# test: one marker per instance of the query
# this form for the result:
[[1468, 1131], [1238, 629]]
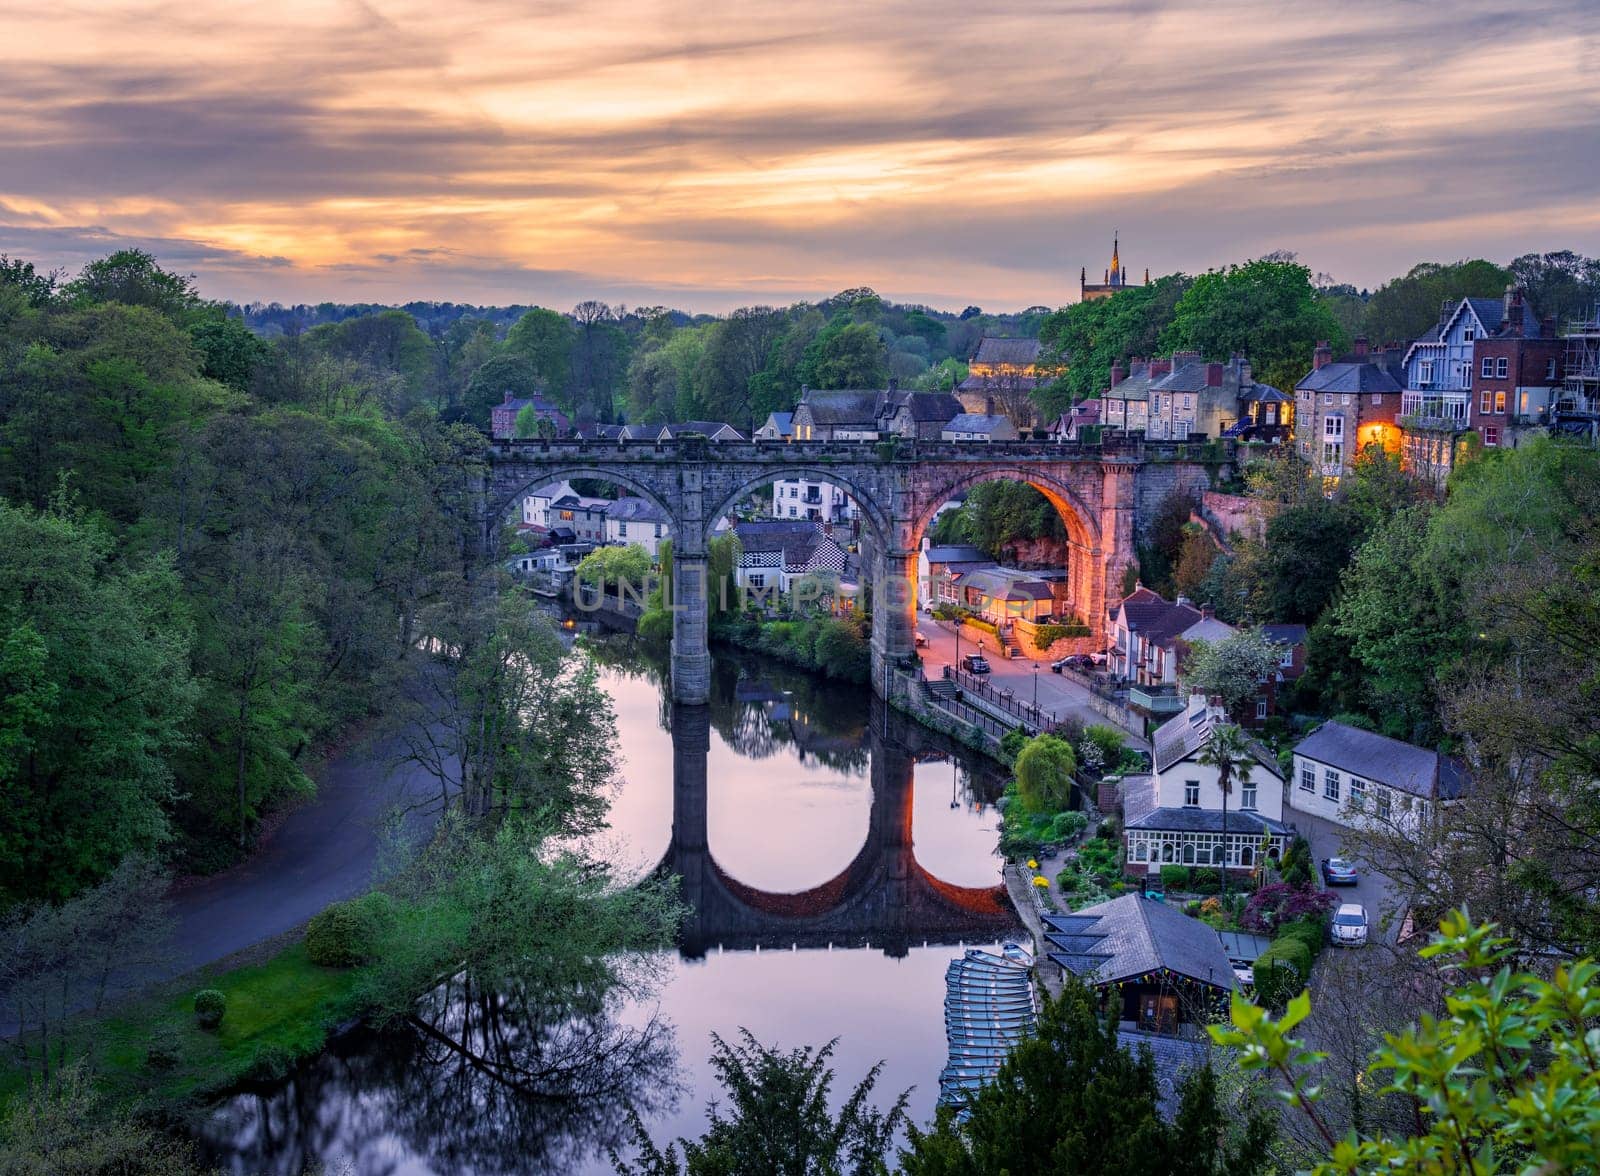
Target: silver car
[[1350, 925]]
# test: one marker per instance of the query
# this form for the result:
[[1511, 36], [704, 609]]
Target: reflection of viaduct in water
[[883, 898]]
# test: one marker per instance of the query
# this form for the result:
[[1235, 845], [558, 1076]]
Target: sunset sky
[[710, 154]]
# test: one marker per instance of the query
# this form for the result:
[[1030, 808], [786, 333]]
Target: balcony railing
[[1158, 700]]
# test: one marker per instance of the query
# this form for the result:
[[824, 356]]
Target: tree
[[1267, 310], [1044, 774], [1232, 669], [544, 339], [132, 277], [846, 355], [779, 1121], [1072, 1100], [1227, 749], [1081, 342], [1507, 1080], [497, 377], [95, 698], [229, 350], [1406, 307], [507, 717], [1562, 285], [617, 569], [737, 350]]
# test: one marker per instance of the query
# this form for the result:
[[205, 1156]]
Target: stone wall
[[1236, 516]]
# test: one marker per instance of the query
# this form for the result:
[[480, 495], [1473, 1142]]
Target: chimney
[[507, 400], [1547, 327], [1207, 612], [894, 383], [1322, 356], [1361, 347], [1160, 367], [1179, 358], [1116, 372], [988, 406], [1182, 600], [1213, 375]]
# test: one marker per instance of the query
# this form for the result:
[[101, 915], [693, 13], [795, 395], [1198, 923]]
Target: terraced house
[[1343, 406]]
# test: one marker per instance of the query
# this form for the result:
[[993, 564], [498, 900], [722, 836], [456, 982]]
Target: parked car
[[920, 640], [1338, 871], [1350, 925], [975, 663], [1073, 661]]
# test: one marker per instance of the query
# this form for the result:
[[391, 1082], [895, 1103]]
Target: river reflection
[[833, 854]]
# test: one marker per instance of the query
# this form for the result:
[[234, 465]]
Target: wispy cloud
[[713, 153]]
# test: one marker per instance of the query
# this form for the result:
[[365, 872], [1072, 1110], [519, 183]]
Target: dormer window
[[1468, 334]]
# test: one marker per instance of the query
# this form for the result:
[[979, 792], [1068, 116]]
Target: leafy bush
[[1310, 930], [164, 1051], [271, 1063], [347, 933], [1012, 743], [1108, 740], [1295, 867], [655, 626], [1067, 825], [1102, 859], [210, 1006], [1047, 635], [1044, 774], [1273, 906], [1281, 971]]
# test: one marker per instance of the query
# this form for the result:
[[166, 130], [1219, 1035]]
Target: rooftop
[[977, 422], [1131, 936], [1001, 349], [1375, 757]]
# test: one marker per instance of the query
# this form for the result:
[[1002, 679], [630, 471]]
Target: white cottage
[[1178, 815], [1362, 779]]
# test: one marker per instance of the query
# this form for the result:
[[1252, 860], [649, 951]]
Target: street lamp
[[1036, 688]]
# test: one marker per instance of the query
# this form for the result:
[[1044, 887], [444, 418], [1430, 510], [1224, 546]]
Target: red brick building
[[1516, 375]]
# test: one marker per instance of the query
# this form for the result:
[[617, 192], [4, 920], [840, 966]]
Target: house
[[774, 553], [711, 430], [545, 560], [1149, 635], [1070, 425], [536, 504], [840, 415], [854, 414], [1517, 375], [979, 427], [582, 516], [1212, 399], [814, 499], [1178, 815], [1114, 281], [1360, 778], [1159, 969], [1342, 407], [1292, 640], [1000, 365], [594, 431], [920, 415], [1005, 593], [637, 521], [503, 417], [1125, 404], [779, 426], [940, 568]]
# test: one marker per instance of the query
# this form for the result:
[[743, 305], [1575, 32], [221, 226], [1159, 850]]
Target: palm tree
[[1227, 749]]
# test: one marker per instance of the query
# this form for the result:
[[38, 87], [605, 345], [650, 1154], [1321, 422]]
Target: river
[[835, 855]]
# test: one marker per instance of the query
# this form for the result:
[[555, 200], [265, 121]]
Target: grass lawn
[[278, 1010]]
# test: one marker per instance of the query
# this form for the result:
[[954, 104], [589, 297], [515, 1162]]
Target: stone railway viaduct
[[1106, 493]]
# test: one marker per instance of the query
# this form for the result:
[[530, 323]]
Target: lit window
[[1330, 784], [1191, 794], [1500, 402]]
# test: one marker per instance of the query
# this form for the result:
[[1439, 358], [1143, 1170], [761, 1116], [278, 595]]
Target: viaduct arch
[[1105, 492]]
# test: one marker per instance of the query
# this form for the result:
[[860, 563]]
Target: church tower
[[1116, 276]]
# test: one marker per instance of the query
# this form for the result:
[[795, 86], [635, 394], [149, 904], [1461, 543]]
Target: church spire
[[1116, 262]]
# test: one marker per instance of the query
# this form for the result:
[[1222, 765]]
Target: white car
[[1350, 925]]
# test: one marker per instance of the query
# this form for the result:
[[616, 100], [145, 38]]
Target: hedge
[[1192, 879], [1281, 972]]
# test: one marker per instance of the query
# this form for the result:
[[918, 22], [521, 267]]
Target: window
[[1469, 334], [1308, 778], [1377, 398], [1191, 794], [1500, 402], [1141, 851], [1333, 428], [1425, 372], [1381, 795], [1247, 795], [1486, 401], [1330, 784], [1358, 792], [1261, 708], [1502, 367], [1188, 853], [1488, 367], [758, 580], [1333, 453], [1491, 434], [1287, 660], [1550, 369]]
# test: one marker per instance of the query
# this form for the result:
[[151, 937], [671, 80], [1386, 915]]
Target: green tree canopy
[[1266, 309], [846, 355], [1406, 307], [1081, 341], [1044, 773], [1232, 669]]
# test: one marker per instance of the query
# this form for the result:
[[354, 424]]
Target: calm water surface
[[835, 855]]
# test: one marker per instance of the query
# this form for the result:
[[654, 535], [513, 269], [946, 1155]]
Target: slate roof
[[1007, 350], [924, 406], [1003, 583], [1173, 1058], [709, 428], [772, 534], [845, 406], [1185, 734], [1265, 393], [782, 423], [1203, 820], [1188, 377], [1376, 757], [1355, 376], [975, 422], [636, 510], [956, 553], [1132, 935], [1285, 634], [1141, 606]]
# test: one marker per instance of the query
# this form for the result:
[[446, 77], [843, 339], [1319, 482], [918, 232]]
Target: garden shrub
[[1311, 931], [347, 933], [1279, 903], [271, 1063], [1281, 972], [210, 1006], [1012, 743], [164, 1051], [1067, 825]]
